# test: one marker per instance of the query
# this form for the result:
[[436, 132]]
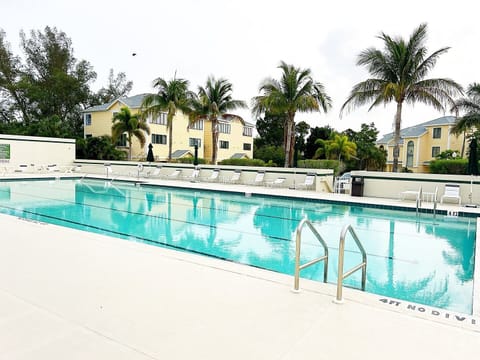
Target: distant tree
[[51, 84], [470, 106], [295, 92], [368, 156], [270, 129], [118, 86], [399, 73], [301, 131], [214, 101], [316, 133], [133, 125], [98, 148], [171, 95], [341, 147]]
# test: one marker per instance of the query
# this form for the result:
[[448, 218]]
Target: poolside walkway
[[67, 294]]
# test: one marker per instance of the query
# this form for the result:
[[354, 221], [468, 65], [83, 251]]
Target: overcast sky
[[244, 41]]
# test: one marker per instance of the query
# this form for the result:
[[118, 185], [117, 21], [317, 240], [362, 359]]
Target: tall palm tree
[[214, 101], [133, 125], [399, 73], [296, 91], [171, 96], [470, 105]]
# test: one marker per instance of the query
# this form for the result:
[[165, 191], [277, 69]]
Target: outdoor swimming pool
[[411, 258]]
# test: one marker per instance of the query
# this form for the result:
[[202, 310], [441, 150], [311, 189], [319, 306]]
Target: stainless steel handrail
[[298, 241], [341, 255], [419, 200], [435, 201]]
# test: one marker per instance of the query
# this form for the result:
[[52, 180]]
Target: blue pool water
[[411, 258]]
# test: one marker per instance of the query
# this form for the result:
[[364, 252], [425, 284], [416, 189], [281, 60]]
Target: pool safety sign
[[433, 313], [4, 152]]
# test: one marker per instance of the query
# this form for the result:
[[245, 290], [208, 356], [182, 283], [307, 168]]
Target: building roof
[[133, 102], [418, 130], [239, 156], [177, 154]]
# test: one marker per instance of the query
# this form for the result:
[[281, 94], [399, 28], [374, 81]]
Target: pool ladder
[[341, 254], [418, 204]]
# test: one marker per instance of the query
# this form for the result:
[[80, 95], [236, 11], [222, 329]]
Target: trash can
[[357, 186]]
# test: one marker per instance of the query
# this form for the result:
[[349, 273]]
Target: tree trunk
[[129, 147], [396, 137], [170, 115], [214, 140], [288, 140]]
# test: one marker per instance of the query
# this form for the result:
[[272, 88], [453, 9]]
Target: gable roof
[[418, 130], [239, 156], [133, 102], [177, 154]]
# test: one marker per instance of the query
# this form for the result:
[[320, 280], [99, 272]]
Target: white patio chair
[[259, 178], [235, 178], [309, 182], [153, 173], [193, 176], [213, 176], [452, 191], [278, 182], [174, 175]]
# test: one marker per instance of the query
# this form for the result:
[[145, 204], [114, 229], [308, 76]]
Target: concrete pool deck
[[67, 294]]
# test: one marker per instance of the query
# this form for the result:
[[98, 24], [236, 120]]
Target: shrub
[[189, 160], [244, 162], [457, 166], [320, 164]]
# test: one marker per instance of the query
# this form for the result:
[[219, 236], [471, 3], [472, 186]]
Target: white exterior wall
[[37, 150]]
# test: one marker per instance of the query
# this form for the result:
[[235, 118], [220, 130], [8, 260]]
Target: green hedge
[[320, 164], [189, 160], [441, 166], [245, 162]]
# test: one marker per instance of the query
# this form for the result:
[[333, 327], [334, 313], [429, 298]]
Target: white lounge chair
[[21, 168], [174, 175], [278, 182], [452, 191], [259, 178], [153, 173], [53, 168], [412, 194], [309, 182], [193, 176], [213, 176], [235, 178]]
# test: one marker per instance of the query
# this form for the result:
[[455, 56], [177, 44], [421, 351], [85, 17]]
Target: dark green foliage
[[323, 133], [49, 89], [448, 154], [320, 164], [270, 153], [244, 162], [270, 129], [368, 156], [98, 148], [458, 166]]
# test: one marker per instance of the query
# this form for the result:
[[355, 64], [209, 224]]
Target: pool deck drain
[[67, 294]]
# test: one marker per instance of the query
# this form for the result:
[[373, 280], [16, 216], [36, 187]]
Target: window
[[88, 136], [88, 119], [247, 131], [161, 119], [224, 128], [437, 133], [224, 144], [435, 150], [122, 140], [410, 148], [159, 139], [247, 146], [197, 125], [194, 141]]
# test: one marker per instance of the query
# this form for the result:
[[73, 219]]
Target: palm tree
[[133, 125], [171, 95], [471, 106], [296, 91], [214, 101], [399, 73], [341, 146]]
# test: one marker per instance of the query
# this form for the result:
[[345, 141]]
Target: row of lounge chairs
[[216, 175], [36, 169]]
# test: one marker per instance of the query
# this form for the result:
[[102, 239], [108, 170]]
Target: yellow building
[[421, 143], [235, 135]]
